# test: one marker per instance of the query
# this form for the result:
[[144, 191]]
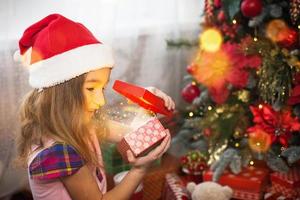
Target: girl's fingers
[[152, 155], [168, 144], [157, 151], [130, 157]]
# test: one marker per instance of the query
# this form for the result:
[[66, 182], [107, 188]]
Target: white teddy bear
[[209, 191]]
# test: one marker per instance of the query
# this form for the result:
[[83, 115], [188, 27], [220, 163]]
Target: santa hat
[[57, 49]]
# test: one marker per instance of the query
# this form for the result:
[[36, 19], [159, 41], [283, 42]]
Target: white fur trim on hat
[[70, 64]]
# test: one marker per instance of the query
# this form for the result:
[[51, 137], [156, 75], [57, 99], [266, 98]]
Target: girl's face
[[93, 90]]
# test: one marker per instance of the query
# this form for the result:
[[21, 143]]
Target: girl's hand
[[169, 103], [144, 162]]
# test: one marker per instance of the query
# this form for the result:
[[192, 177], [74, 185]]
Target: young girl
[[69, 69]]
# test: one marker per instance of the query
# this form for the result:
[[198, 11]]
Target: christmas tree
[[243, 86]]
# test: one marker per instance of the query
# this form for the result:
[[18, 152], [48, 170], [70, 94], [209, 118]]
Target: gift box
[[155, 179], [143, 139], [287, 184], [249, 184], [174, 188]]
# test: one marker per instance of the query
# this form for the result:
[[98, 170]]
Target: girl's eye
[[90, 89]]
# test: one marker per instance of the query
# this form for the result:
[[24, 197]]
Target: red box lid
[[142, 97]]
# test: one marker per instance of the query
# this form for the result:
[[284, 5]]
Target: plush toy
[[209, 190]]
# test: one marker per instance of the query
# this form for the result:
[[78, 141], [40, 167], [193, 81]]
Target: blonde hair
[[57, 113]]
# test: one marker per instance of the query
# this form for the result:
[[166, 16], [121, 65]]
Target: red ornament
[[217, 3], [191, 68], [288, 38], [251, 8], [190, 92], [221, 16], [207, 132], [184, 160]]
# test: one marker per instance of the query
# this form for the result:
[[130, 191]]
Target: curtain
[[136, 29]]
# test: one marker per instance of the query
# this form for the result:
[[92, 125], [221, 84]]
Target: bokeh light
[[211, 40]]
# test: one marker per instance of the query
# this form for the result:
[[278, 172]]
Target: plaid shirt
[[59, 160]]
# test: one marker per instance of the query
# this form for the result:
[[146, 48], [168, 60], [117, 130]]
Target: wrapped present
[[249, 184], [155, 178], [143, 139], [287, 184], [174, 188]]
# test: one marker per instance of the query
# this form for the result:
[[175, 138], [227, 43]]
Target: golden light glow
[[237, 144], [251, 162], [259, 141], [260, 106], [209, 108], [298, 26], [194, 83], [211, 40], [255, 39], [234, 21], [191, 114]]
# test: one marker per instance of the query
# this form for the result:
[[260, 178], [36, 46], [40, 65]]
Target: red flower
[[279, 125], [227, 66]]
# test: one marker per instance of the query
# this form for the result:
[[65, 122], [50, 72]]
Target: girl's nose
[[99, 98]]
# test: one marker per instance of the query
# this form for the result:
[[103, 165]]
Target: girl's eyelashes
[[90, 89]]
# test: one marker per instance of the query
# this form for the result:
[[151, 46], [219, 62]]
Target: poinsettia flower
[[279, 125], [228, 66]]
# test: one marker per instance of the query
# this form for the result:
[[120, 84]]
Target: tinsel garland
[[275, 74]]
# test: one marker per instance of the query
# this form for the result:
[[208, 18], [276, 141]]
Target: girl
[[69, 69]]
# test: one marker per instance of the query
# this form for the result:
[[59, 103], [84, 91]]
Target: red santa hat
[[56, 49]]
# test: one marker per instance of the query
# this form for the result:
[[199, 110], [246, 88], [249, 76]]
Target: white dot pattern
[[145, 136]]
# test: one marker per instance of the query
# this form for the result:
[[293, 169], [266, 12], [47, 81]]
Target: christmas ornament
[[221, 16], [190, 92], [251, 8], [259, 141], [207, 132], [217, 3], [294, 11], [191, 68], [193, 162], [279, 125], [273, 29], [211, 40], [288, 38]]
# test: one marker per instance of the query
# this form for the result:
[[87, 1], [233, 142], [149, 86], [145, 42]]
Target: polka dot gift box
[[143, 139], [147, 132]]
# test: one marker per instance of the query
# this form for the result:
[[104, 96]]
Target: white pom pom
[[17, 56]]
